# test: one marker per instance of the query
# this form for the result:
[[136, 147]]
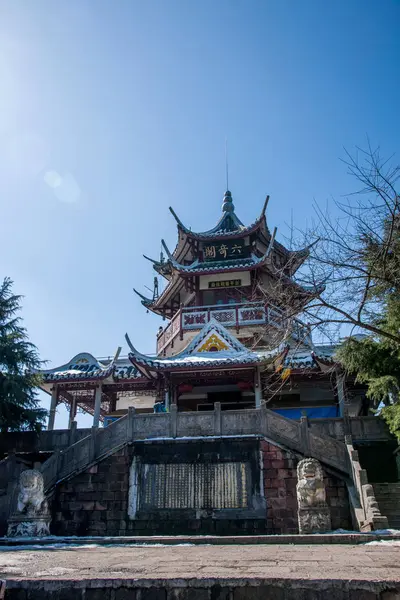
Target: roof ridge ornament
[[264, 206], [169, 254]]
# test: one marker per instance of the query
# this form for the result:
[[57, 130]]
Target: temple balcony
[[248, 315]]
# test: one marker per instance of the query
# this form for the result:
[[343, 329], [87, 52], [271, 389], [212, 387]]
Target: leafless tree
[[353, 256]]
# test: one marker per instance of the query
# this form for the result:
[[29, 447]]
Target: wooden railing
[[136, 427], [238, 315]]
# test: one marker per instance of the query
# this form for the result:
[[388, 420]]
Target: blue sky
[[112, 111]]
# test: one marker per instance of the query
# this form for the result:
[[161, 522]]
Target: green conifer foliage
[[375, 359], [19, 359]]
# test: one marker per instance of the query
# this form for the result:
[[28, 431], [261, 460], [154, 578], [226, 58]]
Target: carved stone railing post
[[93, 445], [173, 423], [131, 424], [305, 437], [217, 419]]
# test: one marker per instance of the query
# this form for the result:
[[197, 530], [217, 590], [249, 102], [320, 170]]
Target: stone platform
[[206, 572]]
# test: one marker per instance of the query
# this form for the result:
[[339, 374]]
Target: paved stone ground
[[378, 561]]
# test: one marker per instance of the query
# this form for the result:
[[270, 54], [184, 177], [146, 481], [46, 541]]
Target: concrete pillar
[[264, 422], [97, 406], [72, 412], [131, 423], [167, 398], [217, 419], [53, 406], [173, 420], [257, 387], [341, 393], [72, 432]]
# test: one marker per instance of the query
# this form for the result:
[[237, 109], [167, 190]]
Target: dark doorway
[[228, 400]]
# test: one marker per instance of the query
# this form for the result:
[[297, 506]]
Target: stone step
[[394, 523], [386, 494], [388, 498], [387, 487], [388, 503], [393, 497], [390, 515]]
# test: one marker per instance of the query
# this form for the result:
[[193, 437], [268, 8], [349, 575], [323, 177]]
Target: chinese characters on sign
[[225, 250], [226, 283]]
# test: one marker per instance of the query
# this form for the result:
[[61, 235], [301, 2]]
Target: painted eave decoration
[[212, 347]]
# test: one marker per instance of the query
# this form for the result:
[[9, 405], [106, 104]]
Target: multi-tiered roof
[[229, 247], [205, 340]]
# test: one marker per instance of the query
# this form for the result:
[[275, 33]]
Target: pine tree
[[19, 361], [375, 359]]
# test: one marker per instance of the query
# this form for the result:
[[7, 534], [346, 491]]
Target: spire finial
[[226, 163], [227, 205]]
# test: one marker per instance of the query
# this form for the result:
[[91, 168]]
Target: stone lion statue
[[31, 498], [310, 486], [32, 516]]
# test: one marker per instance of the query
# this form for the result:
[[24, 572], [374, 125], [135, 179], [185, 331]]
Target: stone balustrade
[[362, 429], [294, 435]]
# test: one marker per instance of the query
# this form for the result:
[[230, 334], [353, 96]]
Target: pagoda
[[231, 335]]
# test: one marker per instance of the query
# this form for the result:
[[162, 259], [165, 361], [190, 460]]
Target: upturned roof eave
[[78, 378], [326, 363], [222, 269], [216, 234]]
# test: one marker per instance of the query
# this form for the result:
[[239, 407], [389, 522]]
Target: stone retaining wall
[[280, 480], [96, 501], [203, 589]]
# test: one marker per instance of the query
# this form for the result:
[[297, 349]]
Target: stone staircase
[[388, 498], [133, 427], [174, 425]]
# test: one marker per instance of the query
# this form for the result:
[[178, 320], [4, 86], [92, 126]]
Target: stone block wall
[[280, 480], [96, 501]]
